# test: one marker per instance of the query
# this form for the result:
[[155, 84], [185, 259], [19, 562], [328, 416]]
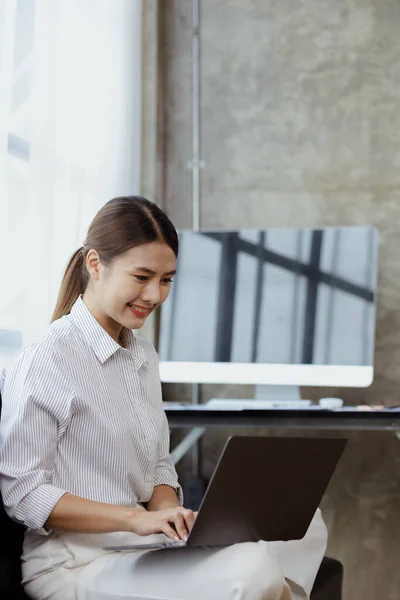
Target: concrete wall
[[301, 127]]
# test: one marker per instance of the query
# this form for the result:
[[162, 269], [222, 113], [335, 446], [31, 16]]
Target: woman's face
[[132, 287]]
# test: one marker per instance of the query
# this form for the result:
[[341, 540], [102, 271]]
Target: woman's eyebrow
[[150, 272]]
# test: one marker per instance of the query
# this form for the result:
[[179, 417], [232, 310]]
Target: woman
[[85, 443]]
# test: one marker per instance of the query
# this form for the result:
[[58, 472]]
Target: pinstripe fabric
[[82, 415]]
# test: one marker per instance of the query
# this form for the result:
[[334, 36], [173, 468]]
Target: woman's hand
[[175, 522]]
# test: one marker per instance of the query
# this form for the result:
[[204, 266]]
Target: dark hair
[[121, 224]]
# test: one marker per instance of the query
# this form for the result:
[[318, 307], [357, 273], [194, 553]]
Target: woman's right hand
[[175, 522]]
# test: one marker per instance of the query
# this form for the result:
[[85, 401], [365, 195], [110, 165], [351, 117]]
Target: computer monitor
[[272, 307]]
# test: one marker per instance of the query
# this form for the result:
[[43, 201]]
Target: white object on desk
[[331, 403]]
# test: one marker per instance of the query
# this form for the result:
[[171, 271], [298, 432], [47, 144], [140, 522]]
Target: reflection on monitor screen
[[273, 297]]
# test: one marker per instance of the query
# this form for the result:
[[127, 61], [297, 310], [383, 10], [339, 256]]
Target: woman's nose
[[151, 293]]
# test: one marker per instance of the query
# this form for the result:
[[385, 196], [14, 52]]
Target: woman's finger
[[169, 532], [189, 519], [180, 526]]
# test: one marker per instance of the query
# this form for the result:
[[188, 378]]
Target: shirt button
[[149, 478]]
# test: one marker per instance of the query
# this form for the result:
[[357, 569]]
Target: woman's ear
[[93, 264]]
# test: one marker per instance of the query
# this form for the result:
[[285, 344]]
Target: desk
[[201, 417]]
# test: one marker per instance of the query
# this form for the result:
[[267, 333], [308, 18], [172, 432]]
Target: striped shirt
[[82, 414]]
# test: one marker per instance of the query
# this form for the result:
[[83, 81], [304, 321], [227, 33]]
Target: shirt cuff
[[34, 510], [166, 476]]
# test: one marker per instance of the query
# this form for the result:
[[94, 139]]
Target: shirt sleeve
[[165, 473], [165, 470], [37, 402]]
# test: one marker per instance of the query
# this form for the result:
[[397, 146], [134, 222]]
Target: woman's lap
[[241, 571], [53, 585]]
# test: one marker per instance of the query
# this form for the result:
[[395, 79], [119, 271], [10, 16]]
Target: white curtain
[[70, 114]]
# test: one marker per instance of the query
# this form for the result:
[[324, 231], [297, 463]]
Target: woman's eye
[[144, 278]]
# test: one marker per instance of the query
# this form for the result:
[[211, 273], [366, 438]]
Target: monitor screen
[[288, 298]]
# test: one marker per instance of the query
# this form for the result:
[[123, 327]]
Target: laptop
[[262, 489]]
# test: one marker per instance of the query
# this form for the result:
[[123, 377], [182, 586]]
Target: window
[[70, 89]]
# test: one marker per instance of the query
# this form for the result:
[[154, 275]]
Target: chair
[[328, 584], [11, 539]]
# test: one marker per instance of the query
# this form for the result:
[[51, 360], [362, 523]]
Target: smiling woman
[[85, 460], [98, 482]]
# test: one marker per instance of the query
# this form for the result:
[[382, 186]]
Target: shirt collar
[[100, 341]]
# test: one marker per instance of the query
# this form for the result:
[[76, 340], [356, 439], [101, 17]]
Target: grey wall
[[300, 127]]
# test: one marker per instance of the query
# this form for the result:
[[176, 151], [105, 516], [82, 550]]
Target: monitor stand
[[276, 393]]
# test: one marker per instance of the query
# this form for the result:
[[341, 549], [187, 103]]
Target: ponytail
[[72, 285]]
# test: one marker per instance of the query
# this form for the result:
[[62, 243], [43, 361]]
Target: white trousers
[[249, 571]]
